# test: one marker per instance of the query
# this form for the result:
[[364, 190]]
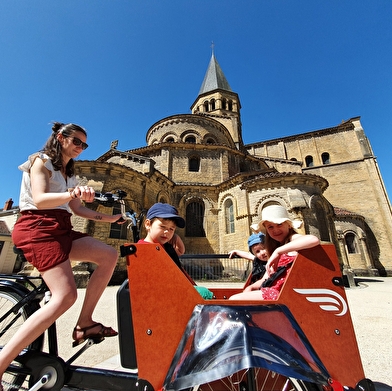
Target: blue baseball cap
[[258, 238], [165, 211]]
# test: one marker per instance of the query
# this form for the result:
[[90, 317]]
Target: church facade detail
[[328, 180]]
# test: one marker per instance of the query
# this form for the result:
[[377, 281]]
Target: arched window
[[322, 222], [325, 158], [309, 161], [212, 103], [351, 243], [162, 199], [170, 140], [205, 104], [190, 139], [194, 164], [210, 141], [230, 105], [118, 231], [224, 104], [194, 220], [229, 216]]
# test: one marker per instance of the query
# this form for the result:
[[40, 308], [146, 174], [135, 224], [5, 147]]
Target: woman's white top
[[57, 183]]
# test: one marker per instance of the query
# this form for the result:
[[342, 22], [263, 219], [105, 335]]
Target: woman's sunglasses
[[77, 141]]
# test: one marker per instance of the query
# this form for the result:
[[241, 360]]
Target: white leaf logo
[[327, 299]]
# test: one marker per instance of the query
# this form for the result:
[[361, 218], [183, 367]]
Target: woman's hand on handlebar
[[119, 219], [85, 193]]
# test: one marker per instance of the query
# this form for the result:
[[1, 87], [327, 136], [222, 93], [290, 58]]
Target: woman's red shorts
[[45, 237]]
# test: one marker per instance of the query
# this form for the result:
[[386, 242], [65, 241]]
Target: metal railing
[[216, 267]]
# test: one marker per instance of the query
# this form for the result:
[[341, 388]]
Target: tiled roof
[[340, 212], [214, 78], [4, 229]]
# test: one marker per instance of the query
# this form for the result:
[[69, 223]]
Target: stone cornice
[[125, 155], [284, 179], [202, 121], [343, 127]]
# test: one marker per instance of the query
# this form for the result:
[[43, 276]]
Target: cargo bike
[[170, 338]]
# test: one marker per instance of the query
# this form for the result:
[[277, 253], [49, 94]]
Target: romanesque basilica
[[328, 180]]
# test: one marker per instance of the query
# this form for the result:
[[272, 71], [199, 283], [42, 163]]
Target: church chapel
[[328, 180]]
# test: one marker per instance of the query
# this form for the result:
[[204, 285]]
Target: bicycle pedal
[[95, 341], [84, 346]]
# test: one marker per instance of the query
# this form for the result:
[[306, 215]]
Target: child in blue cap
[[258, 254], [161, 223]]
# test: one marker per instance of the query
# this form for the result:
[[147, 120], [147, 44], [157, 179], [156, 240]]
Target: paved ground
[[371, 311]]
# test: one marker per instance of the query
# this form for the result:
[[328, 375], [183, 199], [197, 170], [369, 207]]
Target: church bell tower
[[217, 100]]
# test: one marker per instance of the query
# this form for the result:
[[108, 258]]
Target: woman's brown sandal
[[97, 337]]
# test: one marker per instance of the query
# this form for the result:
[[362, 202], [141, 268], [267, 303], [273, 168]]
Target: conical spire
[[214, 78]]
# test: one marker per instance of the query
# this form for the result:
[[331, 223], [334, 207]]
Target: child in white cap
[[257, 254], [283, 243]]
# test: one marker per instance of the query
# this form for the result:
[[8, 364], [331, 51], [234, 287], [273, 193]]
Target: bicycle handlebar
[[111, 198]]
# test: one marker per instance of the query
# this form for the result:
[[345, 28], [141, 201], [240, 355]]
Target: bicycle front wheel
[[265, 380], [257, 379], [10, 321]]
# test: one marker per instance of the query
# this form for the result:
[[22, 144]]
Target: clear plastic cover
[[222, 340]]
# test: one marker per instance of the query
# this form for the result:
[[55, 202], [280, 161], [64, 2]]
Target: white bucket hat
[[255, 228], [276, 214]]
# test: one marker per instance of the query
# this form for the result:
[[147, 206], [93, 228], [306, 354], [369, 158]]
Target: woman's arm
[[80, 210], [39, 179], [43, 199]]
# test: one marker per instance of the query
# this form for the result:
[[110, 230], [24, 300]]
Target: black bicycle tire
[[9, 298], [297, 385], [27, 311]]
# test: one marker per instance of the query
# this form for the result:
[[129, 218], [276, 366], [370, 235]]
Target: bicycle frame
[[313, 296], [168, 332], [54, 366]]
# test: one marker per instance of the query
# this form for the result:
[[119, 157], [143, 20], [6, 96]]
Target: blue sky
[[118, 66]]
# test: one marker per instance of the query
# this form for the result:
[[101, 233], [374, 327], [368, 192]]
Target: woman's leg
[[61, 283], [88, 249]]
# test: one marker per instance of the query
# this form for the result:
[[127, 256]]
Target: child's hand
[[272, 264], [232, 253]]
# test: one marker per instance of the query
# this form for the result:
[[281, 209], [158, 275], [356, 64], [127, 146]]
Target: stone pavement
[[371, 311]]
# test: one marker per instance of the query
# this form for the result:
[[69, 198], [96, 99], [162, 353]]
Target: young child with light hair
[[257, 254], [282, 243]]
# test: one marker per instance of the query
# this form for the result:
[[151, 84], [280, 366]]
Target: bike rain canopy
[[222, 340]]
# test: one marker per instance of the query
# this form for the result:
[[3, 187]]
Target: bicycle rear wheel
[[10, 321]]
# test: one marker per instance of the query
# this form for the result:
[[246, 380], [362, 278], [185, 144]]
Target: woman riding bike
[[49, 195]]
